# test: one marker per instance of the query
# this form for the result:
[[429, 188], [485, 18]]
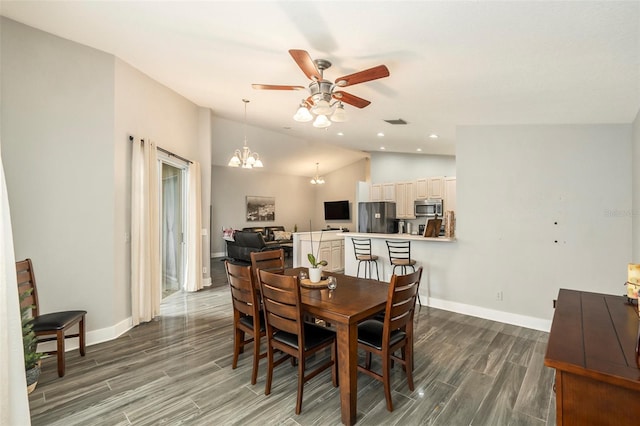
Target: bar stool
[[362, 250], [400, 256]]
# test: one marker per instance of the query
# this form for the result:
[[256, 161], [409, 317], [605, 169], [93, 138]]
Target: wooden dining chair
[[395, 332], [248, 320], [288, 333], [57, 323], [270, 260]]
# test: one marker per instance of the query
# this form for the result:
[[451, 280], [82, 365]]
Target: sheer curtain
[[170, 236], [14, 404], [193, 280], [145, 230]]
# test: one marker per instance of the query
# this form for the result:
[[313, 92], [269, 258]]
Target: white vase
[[315, 274]]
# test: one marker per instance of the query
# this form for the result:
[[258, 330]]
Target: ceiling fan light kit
[[245, 158], [322, 91]]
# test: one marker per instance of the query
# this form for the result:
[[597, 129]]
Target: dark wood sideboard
[[592, 346]]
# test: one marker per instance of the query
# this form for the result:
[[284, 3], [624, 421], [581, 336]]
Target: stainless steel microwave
[[430, 208]]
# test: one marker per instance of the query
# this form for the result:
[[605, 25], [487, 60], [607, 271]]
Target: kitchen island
[[433, 254]]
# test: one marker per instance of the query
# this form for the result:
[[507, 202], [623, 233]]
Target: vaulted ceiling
[[451, 63]]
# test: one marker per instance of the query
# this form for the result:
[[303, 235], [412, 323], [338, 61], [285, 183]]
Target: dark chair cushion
[[370, 334], [248, 321], [313, 336], [56, 320]]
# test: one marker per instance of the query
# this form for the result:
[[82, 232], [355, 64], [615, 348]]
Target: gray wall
[[397, 167], [58, 153], [67, 111], [513, 184], [635, 212]]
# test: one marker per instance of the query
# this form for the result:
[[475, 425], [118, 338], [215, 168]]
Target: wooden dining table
[[354, 300]]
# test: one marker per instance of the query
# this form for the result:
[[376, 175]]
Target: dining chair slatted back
[[247, 317], [50, 324], [362, 252], [270, 260], [395, 332], [288, 333]]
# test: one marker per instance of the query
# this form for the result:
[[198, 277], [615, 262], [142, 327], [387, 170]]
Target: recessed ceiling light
[[380, 134], [382, 148], [433, 136], [419, 149], [340, 134]]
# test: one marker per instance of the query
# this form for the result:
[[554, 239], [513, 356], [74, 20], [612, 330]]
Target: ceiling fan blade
[[351, 99], [276, 87], [360, 77], [306, 64]]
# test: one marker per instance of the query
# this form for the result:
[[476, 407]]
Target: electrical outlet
[[204, 269], [499, 296]]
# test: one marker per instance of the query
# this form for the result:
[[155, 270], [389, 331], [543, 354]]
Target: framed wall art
[[261, 209]]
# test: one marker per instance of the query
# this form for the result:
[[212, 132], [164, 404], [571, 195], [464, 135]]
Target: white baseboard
[[206, 282], [219, 254], [491, 314], [93, 337]]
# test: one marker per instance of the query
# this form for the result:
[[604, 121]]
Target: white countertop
[[412, 237]]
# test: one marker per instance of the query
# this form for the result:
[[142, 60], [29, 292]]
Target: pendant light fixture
[[318, 180], [245, 158]]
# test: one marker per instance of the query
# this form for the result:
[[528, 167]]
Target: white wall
[[635, 212], [397, 167], [146, 109], [513, 184], [67, 112], [57, 147], [295, 200], [339, 185]]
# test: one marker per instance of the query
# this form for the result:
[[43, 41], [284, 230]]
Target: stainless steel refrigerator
[[377, 217]]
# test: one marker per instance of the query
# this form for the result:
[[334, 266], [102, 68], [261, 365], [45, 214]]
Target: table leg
[[347, 336]]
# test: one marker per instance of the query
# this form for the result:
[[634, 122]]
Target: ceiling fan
[[323, 91]]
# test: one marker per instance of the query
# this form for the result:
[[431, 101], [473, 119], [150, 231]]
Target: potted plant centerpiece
[[315, 271], [30, 344]]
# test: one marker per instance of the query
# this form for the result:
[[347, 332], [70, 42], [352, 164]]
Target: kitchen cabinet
[[405, 195], [422, 189], [431, 187], [337, 256], [449, 193], [376, 192], [389, 192], [333, 253], [436, 187]]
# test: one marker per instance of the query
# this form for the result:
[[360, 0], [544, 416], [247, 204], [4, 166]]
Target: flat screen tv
[[336, 210]]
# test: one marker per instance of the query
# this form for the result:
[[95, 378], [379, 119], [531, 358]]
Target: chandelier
[[245, 158], [318, 180]]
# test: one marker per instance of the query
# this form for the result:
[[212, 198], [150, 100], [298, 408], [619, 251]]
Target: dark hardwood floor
[[177, 370]]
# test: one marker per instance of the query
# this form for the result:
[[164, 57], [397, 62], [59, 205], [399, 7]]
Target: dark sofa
[[256, 238], [246, 242], [268, 232]]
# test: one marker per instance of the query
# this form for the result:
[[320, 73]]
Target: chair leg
[[377, 273], [301, 363], [367, 364], [60, 352], [267, 386], [238, 338], [82, 337], [256, 358], [358, 273], [408, 363], [386, 379]]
